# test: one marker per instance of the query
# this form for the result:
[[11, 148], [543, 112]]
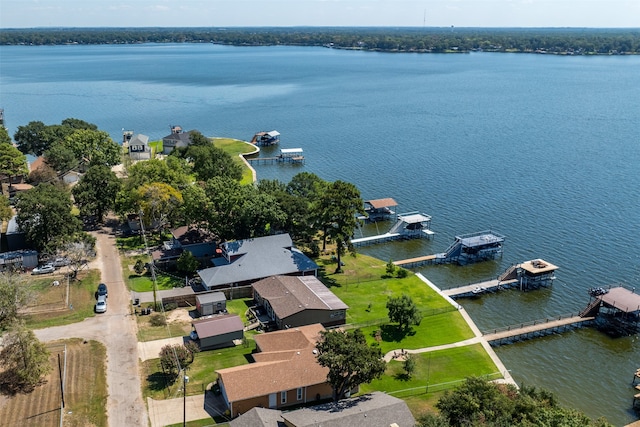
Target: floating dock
[[410, 225], [465, 249]]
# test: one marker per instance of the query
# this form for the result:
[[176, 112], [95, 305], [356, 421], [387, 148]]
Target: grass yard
[[85, 391], [364, 288], [437, 368], [201, 372], [176, 326], [239, 307], [81, 301], [144, 282]]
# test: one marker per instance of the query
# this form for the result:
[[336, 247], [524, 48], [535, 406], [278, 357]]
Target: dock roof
[[480, 239], [382, 203], [414, 218], [622, 299], [538, 266]]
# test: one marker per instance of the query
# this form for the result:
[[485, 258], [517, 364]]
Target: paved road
[[116, 329]]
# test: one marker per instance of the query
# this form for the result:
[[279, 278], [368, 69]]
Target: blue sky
[[239, 13]]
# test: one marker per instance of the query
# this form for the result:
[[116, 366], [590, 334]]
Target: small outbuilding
[[211, 303], [218, 331]]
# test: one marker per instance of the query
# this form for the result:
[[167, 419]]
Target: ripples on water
[[541, 149]]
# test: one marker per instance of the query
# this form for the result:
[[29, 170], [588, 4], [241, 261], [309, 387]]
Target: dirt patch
[[85, 376], [179, 315]]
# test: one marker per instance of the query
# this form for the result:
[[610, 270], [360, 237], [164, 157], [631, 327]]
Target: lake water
[[542, 149]]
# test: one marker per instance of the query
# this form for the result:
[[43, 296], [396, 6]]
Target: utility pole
[[185, 380], [151, 264]]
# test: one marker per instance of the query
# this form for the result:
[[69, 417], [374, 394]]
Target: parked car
[[101, 304], [43, 269], [102, 290], [60, 262]]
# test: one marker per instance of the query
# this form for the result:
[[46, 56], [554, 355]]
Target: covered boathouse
[[617, 310], [379, 209]]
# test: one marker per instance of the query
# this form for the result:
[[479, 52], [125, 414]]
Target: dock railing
[[531, 323]]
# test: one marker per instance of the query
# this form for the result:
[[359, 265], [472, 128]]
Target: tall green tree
[[6, 213], [339, 203], [173, 171], [24, 358], [32, 138], [159, 204], [95, 194], [61, 158], [44, 215], [4, 136], [404, 311], [350, 360], [14, 294], [93, 147], [187, 263], [12, 161], [209, 161]]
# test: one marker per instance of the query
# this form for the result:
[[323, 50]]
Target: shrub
[[158, 319]]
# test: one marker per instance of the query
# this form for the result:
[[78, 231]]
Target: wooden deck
[[535, 328]]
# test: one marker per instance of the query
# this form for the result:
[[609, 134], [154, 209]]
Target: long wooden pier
[[479, 288], [421, 260], [535, 329]]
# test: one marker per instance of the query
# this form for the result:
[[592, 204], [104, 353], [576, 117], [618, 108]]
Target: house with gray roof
[[176, 139], [139, 147], [292, 301], [372, 410], [243, 262]]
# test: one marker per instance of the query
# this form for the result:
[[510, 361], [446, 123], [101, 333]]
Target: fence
[[385, 320], [433, 388], [531, 323]]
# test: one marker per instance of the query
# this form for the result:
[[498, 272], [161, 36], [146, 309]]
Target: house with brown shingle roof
[[285, 373], [292, 301]]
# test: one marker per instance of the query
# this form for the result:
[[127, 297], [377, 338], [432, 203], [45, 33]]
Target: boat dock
[[465, 249], [409, 226], [535, 329], [526, 276], [287, 155]]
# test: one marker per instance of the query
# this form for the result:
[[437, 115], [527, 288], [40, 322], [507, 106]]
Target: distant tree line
[[580, 41]]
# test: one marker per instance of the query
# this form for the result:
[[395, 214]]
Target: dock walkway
[[535, 328], [488, 286], [375, 239]]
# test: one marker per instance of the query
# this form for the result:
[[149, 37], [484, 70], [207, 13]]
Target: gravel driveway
[[116, 329]]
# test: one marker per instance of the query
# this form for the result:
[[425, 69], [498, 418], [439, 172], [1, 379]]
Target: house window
[[299, 395], [283, 397]]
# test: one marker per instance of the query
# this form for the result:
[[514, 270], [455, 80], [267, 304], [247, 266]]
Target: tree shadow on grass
[[10, 384], [158, 381], [394, 333], [329, 282], [402, 376]]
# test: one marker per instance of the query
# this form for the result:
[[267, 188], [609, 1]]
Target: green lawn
[[144, 282], [437, 369], [201, 372]]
